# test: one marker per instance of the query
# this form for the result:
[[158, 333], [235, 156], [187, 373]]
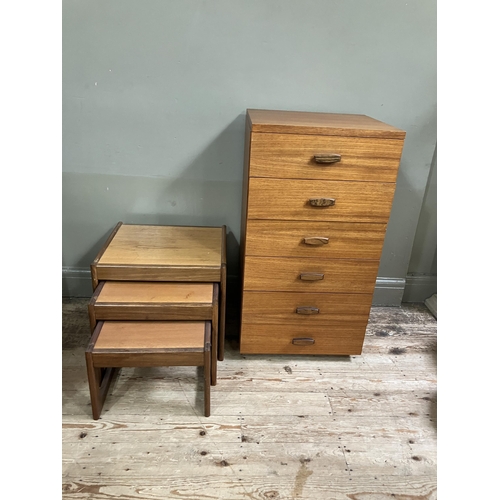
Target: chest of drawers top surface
[[299, 122]]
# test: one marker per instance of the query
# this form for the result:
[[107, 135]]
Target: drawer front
[[300, 275], [306, 309], [304, 156], [286, 339], [285, 199], [329, 240]]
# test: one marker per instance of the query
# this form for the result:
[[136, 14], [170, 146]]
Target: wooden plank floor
[[351, 428]]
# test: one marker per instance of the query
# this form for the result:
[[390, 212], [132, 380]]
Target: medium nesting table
[[159, 300]]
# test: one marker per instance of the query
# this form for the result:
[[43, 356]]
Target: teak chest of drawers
[[317, 195]]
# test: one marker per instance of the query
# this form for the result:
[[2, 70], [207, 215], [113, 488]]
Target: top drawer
[[303, 157]]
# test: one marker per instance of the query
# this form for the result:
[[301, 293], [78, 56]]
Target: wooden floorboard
[[281, 427]]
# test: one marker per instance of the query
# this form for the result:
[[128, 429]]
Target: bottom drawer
[[297, 339]]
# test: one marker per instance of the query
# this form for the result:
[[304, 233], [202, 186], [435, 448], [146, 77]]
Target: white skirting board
[[431, 304]]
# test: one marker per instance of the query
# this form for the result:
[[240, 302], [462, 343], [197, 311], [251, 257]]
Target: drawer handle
[[307, 310], [303, 341], [322, 202], [316, 240], [327, 158], [311, 276]]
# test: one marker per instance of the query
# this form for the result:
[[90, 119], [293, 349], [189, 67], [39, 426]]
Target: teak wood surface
[[122, 359], [177, 246], [155, 311], [346, 240], [292, 156], [222, 298], [317, 196], [93, 265], [157, 253], [135, 300], [166, 335], [155, 292], [153, 301], [288, 199], [331, 427], [280, 308], [161, 253], [145, 344], [280, 274], [115, 272], [298, 122], [331, 340]]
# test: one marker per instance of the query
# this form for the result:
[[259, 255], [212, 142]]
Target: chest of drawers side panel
[[244, 203]]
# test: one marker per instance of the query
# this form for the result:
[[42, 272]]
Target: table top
[[138, 292], [165, 335], [135, 252], [165, 246]]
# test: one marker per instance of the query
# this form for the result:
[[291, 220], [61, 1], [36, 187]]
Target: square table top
[[132, 249]]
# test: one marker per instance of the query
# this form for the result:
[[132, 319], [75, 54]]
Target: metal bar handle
[[311, 276], [322, 202], [316, 240], [303, 341], [307, 310], [327, 158]]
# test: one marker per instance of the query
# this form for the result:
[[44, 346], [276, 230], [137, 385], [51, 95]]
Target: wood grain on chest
[[344, 240], [289, 199], [339, 124], [280, 274], [325, 309], [317, 339], [303, 157]]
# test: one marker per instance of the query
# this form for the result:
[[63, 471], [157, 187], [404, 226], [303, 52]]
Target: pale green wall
[[421, 281], [155, 94], [424, 254]]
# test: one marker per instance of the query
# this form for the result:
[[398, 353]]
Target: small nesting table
[[159, 299]]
